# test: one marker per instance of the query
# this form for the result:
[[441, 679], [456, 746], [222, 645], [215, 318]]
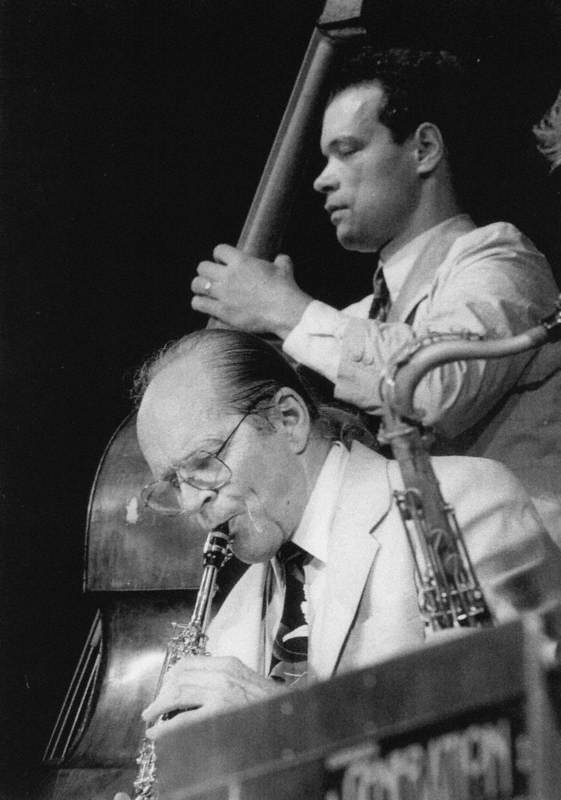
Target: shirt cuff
[[316, 340]]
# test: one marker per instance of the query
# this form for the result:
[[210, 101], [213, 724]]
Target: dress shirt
[[398, 267], [311, 536], [317, 340]]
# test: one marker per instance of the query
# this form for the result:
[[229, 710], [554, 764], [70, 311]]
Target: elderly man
[[232, 436], [395, 138]]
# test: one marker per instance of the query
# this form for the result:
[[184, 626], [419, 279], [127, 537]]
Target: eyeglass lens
[[202, 471]]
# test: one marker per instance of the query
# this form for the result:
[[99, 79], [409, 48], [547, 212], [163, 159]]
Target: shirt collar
[[316, 520], [399, 265]]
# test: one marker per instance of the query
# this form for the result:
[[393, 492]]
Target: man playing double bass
[[395, 142]]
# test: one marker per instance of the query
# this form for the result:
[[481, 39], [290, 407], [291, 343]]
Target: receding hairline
[[198, 344], [185, 376], [207, 346]]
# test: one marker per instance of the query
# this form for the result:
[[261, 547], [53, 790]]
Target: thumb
[[285, 263], [121, 796]]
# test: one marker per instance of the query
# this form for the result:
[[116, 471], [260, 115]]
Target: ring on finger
[[207, 286]]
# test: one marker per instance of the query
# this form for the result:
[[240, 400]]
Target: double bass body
[[143, 575]]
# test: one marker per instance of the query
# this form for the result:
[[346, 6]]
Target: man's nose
[[194, 500], [326, 181]]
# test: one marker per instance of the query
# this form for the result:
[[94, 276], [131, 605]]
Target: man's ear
[[429, 147], [293, 418]]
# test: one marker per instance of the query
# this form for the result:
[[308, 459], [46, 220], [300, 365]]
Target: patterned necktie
[[289, 660], [381, 298]]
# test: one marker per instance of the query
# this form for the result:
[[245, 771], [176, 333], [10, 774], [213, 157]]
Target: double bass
[[142, 569]]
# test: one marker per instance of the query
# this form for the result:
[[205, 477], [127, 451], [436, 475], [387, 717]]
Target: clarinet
[[449, 593], [188, 640]]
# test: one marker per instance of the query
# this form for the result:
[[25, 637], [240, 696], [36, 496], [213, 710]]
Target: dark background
[[135, 136]]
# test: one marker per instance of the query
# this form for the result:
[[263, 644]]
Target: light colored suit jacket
[[491, 281], [372, 610]]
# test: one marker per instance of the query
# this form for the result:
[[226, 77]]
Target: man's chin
[[250, 546], [346, 238], [351, 242], [250, 557], [239, 536]]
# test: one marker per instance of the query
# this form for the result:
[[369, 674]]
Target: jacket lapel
[[421, 277], [351, 553]]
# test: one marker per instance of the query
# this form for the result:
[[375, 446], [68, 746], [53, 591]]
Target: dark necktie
[[381, 298], [289, 660]]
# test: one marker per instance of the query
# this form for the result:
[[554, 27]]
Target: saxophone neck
[[406, 369]]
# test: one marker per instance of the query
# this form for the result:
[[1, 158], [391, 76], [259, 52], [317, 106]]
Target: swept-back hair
[[246, 372]]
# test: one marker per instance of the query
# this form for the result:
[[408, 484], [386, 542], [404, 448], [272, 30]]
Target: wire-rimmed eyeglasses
[[202, 470]]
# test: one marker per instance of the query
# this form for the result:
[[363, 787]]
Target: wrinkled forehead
[[179, 412], [353, 111]]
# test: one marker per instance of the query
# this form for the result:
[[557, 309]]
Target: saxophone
[[448, 589], [188, 640]]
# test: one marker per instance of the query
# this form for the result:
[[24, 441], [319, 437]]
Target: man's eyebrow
[[209, 445]]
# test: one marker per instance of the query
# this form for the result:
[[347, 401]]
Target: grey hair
[[247, 372]]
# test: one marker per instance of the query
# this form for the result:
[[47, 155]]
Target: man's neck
[[436, 206]]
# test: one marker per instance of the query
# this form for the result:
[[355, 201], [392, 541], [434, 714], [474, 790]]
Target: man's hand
[[201, 686], [249, 293]]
